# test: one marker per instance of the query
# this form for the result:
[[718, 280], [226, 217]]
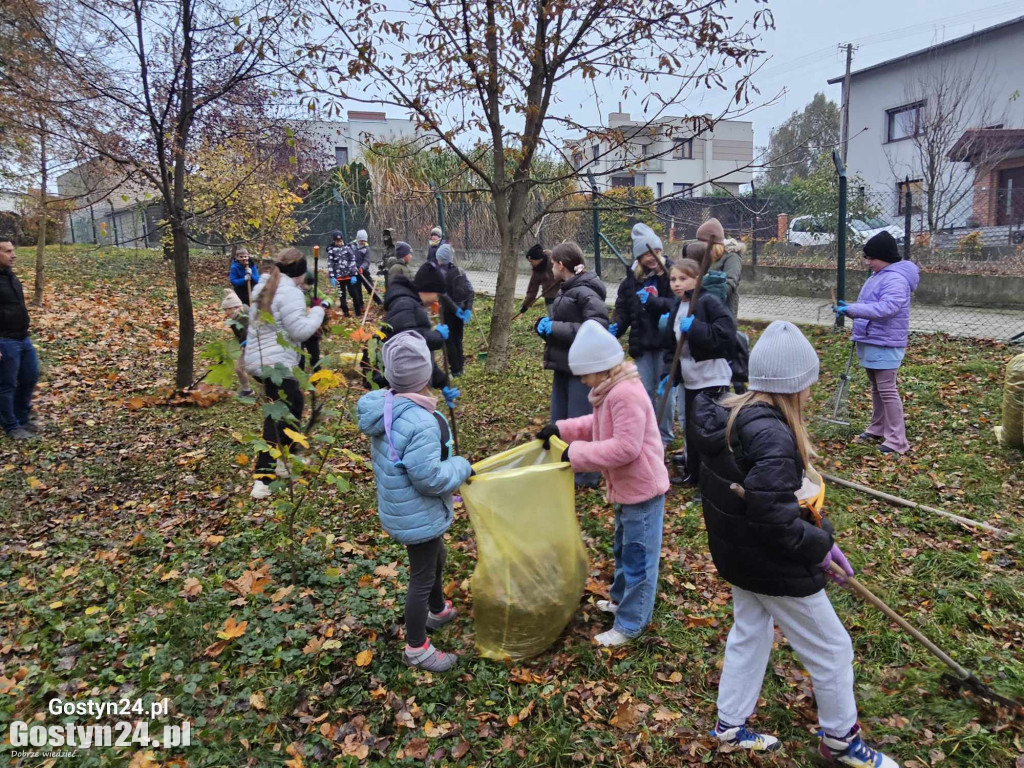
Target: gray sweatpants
[[816, 635]]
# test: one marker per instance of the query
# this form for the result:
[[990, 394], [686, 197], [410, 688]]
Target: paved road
[[957, 321]]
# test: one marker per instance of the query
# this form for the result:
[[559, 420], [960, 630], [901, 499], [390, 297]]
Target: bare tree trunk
[[505, 292], [186, 321], [37, 298]]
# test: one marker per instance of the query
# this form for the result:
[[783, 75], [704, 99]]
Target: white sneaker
[[260, 490], [741, 736], [611, 638], [607, 606], [281, 470]]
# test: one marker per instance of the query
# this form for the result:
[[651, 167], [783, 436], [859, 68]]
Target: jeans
[[273, 431], [887, 410], [426, 591], [652, 368], [815, 634], [637, 550], [19, 372], [569, 399]]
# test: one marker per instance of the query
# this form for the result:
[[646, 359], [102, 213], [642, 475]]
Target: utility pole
[[846, 100]]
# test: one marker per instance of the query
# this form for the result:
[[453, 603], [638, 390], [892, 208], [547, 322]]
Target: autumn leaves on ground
[[133, 565]]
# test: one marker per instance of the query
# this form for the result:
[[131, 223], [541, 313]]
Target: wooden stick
[[914, 505], [369, 303], [705, 263], [876, 601]]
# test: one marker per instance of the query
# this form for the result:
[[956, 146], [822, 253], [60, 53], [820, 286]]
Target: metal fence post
[[405, 215], [597, 224], [753, 240], [465, 223], [908, 201], [840, 236], [440, 209]]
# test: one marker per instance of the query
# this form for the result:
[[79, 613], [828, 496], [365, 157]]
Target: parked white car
[[809, 230]]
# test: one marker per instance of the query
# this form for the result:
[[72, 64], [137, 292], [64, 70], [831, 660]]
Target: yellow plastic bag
[[1011, 433], [531, 561]]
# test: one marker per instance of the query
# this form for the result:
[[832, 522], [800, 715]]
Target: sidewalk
[[956, 321]]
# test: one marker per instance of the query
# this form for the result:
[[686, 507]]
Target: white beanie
[[594, 350], [407, 362], [643, 236], [231, 300], [361, 235], [782, 361]]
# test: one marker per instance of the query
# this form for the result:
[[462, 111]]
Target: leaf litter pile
[[134, 565]]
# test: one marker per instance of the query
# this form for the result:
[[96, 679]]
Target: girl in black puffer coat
[[643, 296], [754, 451], [581, 298]]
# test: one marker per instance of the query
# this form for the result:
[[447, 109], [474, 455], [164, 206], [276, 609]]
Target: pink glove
[[836, 556]]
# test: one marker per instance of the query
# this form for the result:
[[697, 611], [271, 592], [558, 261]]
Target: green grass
[[112, 510]]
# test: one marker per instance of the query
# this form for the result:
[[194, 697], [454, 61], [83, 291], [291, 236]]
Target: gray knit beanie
[[782, 361], [643, 236], [407, 362], [445, 254]]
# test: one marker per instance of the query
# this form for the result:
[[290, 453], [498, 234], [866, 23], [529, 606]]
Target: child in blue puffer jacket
[[417, 471]]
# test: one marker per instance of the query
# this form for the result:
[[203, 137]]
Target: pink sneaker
[[429, 658]]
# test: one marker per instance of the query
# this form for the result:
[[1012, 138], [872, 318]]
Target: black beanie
[[293, 268], [882, 247], [536, 252], [428, 279], [402, 249]]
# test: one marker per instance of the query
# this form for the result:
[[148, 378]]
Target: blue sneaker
[[743, 737], [852, 751]]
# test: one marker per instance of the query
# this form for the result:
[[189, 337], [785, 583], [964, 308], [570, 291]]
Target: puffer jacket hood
[[291, 321], [582, 298], [762, 542], [414, 496], [881, 314]]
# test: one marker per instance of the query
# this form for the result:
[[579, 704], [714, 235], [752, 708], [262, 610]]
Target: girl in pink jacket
[[621, 440]]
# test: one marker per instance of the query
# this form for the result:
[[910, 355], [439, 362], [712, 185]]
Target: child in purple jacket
[[881, 323]]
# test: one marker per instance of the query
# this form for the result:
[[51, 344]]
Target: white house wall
[[999, 56]]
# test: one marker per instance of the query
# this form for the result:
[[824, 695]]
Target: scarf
[[423, 401], [600, 392]]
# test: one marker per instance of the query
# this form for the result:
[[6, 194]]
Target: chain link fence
[[971, 257]]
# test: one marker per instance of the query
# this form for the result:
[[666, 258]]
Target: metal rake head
[[838, 409]]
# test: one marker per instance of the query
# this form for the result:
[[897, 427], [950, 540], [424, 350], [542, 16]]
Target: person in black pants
[[274, 434], [457, 303], [344, 274]]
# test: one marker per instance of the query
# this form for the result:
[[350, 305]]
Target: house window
[[903, 122], [682, 149], [595, 151], [341, 156], [916, 196], [660, 187], [682, 190], [623, 181]]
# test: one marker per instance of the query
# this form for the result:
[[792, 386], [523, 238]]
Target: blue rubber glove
[[613, 329], [464, 315], [840, 309], [334, 283], [685, 323], [544, 326], [662, 385], [451, 396], [354, 279], [643, 295], [443, 330], [663, 322]]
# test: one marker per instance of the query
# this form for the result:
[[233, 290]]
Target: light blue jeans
[[652, 368], [637, 549]]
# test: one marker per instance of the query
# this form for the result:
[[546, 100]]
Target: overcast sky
[[802, 54], [803, 47]]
